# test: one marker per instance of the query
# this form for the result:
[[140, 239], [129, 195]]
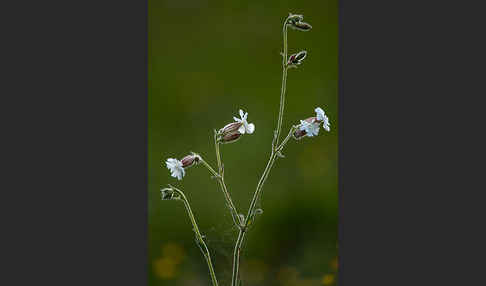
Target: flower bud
[[301, 26], [167, 194], [231, 137], [293, 18], [190, 160], [296, 59], [229, 133]]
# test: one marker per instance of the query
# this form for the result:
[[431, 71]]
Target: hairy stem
[[220, 178], [199, 238]]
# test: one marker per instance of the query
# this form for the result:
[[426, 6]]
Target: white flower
[[321, 116], [175, 167], [311, 128], [245, 127]]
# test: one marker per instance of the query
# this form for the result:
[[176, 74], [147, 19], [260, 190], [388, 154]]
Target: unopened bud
[[190, 160], [296, 59], [231, 137], [301, 26], [294, 18], [167, 194], [229, 133]]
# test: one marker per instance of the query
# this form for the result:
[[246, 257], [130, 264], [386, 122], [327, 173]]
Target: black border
[[76, 206]]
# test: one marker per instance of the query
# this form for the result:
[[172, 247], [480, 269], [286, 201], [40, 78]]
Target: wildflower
[[245, 127], [177, 168], [296, 59], [310, 126], [321, 117], [233, 131]]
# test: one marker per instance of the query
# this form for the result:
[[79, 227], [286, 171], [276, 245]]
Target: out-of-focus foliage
[[207, 59]]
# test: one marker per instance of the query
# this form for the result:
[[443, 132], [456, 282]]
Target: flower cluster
[[310, 126], [228, 134]]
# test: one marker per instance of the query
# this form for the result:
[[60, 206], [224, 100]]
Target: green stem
[[218, 155], [284, 82], [292, 130], [199, 239], [234, 212], [251, 212]]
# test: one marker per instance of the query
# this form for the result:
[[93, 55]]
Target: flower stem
[[284, 82], [219, 176], [218, 155], [251, 211], [199, 239]]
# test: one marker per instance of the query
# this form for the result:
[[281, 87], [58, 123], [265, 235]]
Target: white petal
[[320, 114], [236, 119], [303, 125], [242, 129], [250, 128], [241, 113]]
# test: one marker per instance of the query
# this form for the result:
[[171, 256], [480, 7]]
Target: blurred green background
[[207, 59]]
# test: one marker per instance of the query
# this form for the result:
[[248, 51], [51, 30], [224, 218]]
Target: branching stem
[[219, 176]]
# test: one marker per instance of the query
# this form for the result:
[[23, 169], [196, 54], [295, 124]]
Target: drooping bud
[[229, 133], [190, 160], [293, 18], [295, 22], [296, 59], [301, 26], [167, 194]]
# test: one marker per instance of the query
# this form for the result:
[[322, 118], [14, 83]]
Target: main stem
[[251, 211], [199, 239], [284, 83]]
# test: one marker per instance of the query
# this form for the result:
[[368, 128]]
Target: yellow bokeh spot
[[165, 268], [328, 279]]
